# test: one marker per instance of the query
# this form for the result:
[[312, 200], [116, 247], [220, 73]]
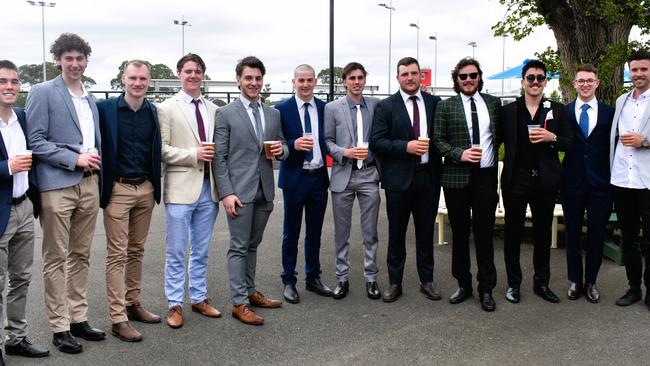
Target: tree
[[158, 71], [324, 76], [33, 74], [594, 31], [266, 91]]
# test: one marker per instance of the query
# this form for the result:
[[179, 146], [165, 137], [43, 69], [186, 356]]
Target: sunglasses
[[472, 75], [539, 77]]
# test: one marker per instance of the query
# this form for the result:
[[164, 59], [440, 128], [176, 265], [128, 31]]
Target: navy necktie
[[309, 155], [584, 120]]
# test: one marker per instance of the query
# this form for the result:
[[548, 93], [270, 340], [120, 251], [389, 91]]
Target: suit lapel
[[62, 89], [189, 118], [575, 125], [403, 114], [345, 109], [113, 123], [243, 114]]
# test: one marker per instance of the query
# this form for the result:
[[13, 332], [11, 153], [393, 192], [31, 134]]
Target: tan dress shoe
[[258, 299], [246, 315], [125, 332], [204, 308], [137, 313], [175, 317]]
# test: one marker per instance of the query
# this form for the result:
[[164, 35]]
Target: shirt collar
[[247, 103], [84, 92], [121, 103], [593, 103], [300, 102], [642, 97], [465, 98], [407, 96], [353, 105], [12, 119], [188, 98]]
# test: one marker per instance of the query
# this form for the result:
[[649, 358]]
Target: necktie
[[584, 120], [359, 132], [201, 128], [259, 131], [476, 134], [309, 155], [416, 120]]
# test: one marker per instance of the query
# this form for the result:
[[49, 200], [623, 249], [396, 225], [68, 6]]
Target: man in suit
[[63, 131], [354, 173], [190, 195], [245, 183], [130, 185], [17, 190], [629, 161], [464, 132], [409, 170], [585, 184], [533, 129], [304, 181]]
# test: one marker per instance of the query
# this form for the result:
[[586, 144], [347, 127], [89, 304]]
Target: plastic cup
[[267, 149], [364, 154]]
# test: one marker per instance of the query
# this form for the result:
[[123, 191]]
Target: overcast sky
[[282, 33]]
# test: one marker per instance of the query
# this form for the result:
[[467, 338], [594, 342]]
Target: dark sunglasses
[[539, 77], [472, 75]]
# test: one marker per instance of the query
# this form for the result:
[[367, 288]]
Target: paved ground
[[356, 330]]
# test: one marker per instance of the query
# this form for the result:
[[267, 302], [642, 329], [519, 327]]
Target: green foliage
[[324, 76], [32, 74], [520, 19]]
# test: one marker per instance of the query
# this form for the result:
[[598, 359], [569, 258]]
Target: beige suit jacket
[[183, 173]]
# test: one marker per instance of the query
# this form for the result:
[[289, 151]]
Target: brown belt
[[134, 181]]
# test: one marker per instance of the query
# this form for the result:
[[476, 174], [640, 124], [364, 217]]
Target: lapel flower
[[546, 104]]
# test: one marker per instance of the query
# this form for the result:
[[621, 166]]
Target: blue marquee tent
[[515, 73]]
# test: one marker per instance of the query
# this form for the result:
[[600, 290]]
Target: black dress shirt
[[134, 140]]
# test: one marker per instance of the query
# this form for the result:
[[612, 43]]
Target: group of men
[[69, 155]]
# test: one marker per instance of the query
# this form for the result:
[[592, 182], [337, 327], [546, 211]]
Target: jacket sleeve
[[380, 136]]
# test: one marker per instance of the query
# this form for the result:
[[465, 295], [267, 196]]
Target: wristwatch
[[645, 143], [554, 138]]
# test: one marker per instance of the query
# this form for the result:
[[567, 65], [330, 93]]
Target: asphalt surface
[[356, 330]]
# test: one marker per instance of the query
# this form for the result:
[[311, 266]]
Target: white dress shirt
[[591, 112], [317, 160], [625, 168], [85, 117], [423, 117], [247, 104], [487, 159], [14, 139], [191, 108]]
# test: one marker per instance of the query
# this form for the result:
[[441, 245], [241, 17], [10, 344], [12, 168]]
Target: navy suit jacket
[[290, 168], [7, 181], [391, 132], [589, 159], [108, 125]]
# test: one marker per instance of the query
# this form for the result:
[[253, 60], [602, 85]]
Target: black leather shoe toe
[[291, 294], [460, 295], [372, 289], [25, 348], [341, 290], [545, 293], [66, 342], [487, 302], [318, 287], [631, 296], [87, 332], [513, 295]]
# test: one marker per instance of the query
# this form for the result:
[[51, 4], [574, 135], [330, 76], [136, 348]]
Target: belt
[[363, 166], [18, 200], [421, 167], [88, 173], [135, 181], [311, 171]]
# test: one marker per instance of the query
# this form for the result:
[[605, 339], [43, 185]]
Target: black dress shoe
[[591, 293], [341, 290], [66, 342], [545, 293], [460, 295], [291, 294], [87, 332], [25, 348], [430, 291], [392, 293], [318, 287], [631, 296], [372, 289], [513, 295], [487, 302], [573, 293]]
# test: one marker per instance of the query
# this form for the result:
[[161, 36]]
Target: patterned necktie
[[309, 155], [359, 132], [476, 134], [259, 131], [584, 120]]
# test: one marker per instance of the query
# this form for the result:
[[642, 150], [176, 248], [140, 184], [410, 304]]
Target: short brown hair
[[252, 62], [587, 68], [462, 63], [69, 42], [406, 61], [6, 64], [138, 63], [190, 57], [351, 67]]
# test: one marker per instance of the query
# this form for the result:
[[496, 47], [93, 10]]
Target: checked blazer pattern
[[451, 137]]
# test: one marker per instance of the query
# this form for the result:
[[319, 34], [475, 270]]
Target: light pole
[[417, 43], [390, 9], [503, 61], [43, 4], [183, 23], [435, 60], [473, 44]]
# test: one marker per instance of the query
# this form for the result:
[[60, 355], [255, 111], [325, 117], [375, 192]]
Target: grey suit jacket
[[240, 163], [643, 155], [54, 134], [339, 135]]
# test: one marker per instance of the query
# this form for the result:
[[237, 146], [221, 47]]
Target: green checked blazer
[[451, 137]]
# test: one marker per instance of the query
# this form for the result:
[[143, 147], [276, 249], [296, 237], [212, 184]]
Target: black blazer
[[589, 159], [550, 170], [108, 125], [391, 132], [7, 181]]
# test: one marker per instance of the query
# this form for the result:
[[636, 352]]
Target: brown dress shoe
[[258, 299], [392, 293], [204, 308], [246, 315], [430, 291], [137, 313], [175, 317], [125, 332]]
